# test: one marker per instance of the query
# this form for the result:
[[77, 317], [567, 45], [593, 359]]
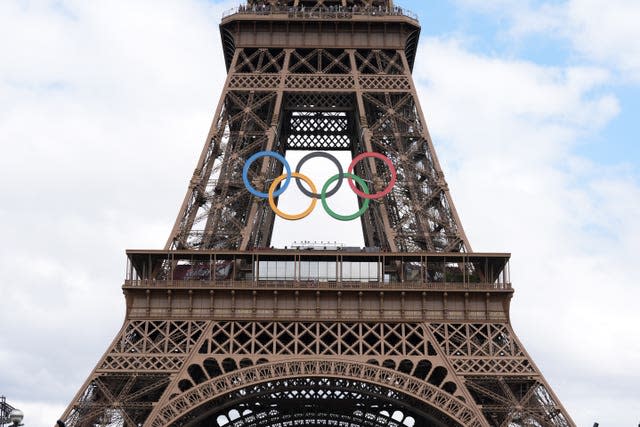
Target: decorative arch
[[268, 417], [382, 379]]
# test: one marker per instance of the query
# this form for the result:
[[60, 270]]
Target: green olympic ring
[[323, 197]]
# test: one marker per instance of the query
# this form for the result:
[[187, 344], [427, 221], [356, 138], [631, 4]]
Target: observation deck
[[318, 284], [352, 26]]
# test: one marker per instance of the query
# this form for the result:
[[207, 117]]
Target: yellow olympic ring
[[281, 214]]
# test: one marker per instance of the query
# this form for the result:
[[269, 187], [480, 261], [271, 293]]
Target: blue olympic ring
[[245, 173]]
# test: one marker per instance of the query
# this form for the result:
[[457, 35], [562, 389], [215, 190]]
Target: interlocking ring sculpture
[[325, 193]]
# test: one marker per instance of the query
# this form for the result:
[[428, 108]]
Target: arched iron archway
[[387, 387], [316, 400]]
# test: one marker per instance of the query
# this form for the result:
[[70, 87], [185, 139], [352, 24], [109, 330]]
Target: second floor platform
[[330, 268], [317, 283]]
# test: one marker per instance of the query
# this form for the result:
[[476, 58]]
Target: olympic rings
[[362, 210], [385, 159], [324, 194], [245, 173], [326, 156], [281, 214]]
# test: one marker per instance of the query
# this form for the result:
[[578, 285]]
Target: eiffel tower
[[411, 330]]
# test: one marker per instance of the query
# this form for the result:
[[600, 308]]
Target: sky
[[532, 105]]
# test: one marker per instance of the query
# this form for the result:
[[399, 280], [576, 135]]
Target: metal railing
[[313, 284], [330, 12], [312, 314]]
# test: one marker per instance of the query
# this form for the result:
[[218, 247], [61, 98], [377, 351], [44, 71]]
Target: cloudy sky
[[533, 107]]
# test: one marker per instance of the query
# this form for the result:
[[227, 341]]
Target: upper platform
[[300, 267], [320, 24], [318, 285]]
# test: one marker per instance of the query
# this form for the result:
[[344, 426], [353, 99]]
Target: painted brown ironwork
[[412, 330]]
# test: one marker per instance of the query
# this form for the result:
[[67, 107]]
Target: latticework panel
[[327, 101], [319, 61], [419, 207], [135, 372], [158, 336], [152, 346], [317, 338], [117, 400], [245, 81], [386, 83], [137, 363], [499, 374], [508, 402], [217, 212], [492, 365], [254, 81], [378, 61], [486, 348], [263, 60], [306, 82], [318, 130], [315, 142]]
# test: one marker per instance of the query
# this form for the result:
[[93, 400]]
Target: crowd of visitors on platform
[[355, 9]]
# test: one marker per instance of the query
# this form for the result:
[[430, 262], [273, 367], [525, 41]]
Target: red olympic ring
[[379, 194]]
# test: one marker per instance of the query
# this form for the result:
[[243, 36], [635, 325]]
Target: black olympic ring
[[326, 156]]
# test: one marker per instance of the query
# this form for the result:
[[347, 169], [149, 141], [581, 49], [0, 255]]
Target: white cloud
[[608, 32], [603, 32], [507, 130]]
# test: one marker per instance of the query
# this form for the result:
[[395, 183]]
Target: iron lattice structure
[[5, 411], [221, 330]]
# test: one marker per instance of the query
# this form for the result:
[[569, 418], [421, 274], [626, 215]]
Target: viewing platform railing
[[321, 269], [315, 285], [330, 12]]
